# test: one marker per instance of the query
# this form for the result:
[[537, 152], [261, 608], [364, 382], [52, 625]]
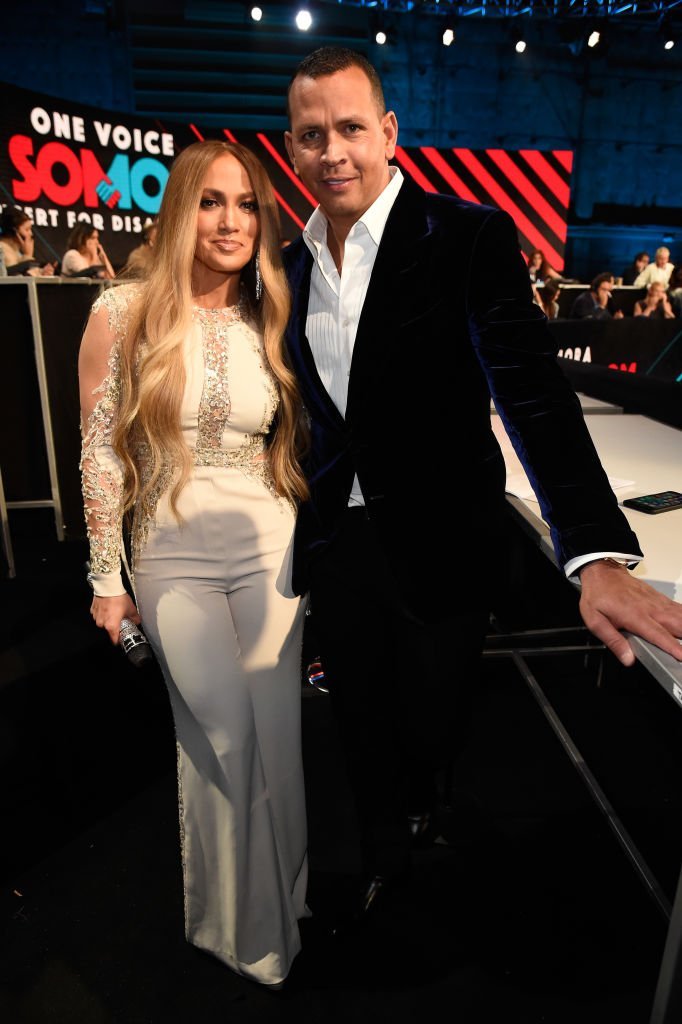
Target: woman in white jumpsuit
[[191, 421]]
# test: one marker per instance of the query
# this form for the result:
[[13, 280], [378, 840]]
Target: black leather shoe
[[428, 830], [357, 907], [372, 894], [459, 824], [419, 826], [363, 904]]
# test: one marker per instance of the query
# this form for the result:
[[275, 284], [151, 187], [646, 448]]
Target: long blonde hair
[[151, 360]]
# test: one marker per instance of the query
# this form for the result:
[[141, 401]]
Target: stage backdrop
[[64, 162]]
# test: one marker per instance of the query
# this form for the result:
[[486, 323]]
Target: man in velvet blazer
[[398, 340], [435, 340]]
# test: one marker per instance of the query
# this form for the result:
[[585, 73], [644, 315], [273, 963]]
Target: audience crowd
[[659, 281], [17, 245], [85, 255], [659, 285]]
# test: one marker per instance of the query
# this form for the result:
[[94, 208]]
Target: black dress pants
[[401, 690]]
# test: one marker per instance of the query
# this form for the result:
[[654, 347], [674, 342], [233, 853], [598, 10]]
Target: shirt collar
[[373, 220]]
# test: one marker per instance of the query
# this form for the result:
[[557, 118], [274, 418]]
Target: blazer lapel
[[396, 289], [299, 269]]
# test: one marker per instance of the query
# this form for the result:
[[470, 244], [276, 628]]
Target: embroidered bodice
[[228, 405]]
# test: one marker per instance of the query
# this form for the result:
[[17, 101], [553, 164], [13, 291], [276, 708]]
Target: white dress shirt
[[335, 305], [336, 299], [652, 272]]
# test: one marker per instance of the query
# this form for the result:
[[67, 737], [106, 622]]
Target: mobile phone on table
[[661, 501]]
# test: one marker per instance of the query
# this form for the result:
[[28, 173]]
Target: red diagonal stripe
[[519, 180], [565, 158], [285, 206], [544, 170], [286, 168], [444, 169], [197, 133], [506, 203], [408, 164], [282, 202]]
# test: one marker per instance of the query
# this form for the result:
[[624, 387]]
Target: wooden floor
[[530, 913]]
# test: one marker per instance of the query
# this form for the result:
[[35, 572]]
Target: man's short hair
[[600, 278], [327, 60], [663, 250]]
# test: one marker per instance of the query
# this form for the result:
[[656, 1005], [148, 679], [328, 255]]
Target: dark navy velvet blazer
[[447, 322]]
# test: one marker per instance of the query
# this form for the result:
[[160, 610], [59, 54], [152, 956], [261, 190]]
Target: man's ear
[[389, 126], [289, 143]]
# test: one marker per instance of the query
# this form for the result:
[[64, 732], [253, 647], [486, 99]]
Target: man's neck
[[336, 240], [339, 228]]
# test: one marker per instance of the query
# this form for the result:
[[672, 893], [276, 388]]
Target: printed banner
[[64, 162]]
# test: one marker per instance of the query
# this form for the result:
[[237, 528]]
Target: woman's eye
[[251, 205], [207, 203]]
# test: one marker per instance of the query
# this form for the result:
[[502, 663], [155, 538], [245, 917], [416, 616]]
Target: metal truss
[[649, 10]]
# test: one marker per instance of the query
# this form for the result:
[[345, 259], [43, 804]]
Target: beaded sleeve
[[101, 469]]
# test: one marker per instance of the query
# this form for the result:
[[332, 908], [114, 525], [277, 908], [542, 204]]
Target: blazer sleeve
[[538, 406]]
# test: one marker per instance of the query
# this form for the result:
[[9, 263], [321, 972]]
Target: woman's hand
[[47, 270], [108, 272], [108, 612], [26, 240]]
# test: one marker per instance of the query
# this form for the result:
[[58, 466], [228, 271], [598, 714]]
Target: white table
[[594, 406], [635, 449], [640, 456], [588, 405]]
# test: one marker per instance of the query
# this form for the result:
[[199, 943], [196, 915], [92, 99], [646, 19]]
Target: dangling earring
[[259, 279]]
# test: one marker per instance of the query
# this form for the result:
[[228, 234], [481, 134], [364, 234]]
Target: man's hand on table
[[613, 600]]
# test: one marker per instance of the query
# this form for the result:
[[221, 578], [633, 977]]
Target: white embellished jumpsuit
[[216, 604]]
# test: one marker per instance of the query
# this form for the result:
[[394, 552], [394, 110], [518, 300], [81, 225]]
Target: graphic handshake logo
[[108, 193]]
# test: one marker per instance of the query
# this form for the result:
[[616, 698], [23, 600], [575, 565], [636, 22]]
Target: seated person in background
[[597, 303], [84, 256], [139, 259], [16, 242], [659, 270], [539, 269], [549, 298], [631, 273], [675, 290], [655, 304]]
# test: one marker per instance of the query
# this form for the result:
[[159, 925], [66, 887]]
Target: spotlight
[[448, 36], [379, 30], [668, 33], [256, 13], [597, 36], [304, 20], [519, 41]]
